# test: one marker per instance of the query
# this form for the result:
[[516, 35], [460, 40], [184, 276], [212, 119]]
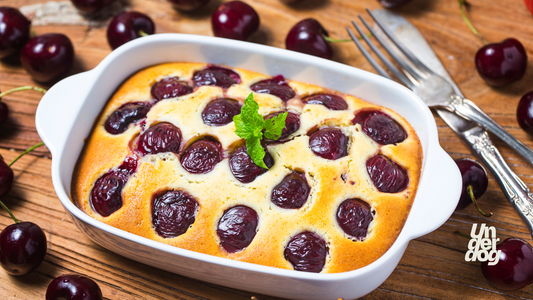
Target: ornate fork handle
[[513, 188], [471, 111]]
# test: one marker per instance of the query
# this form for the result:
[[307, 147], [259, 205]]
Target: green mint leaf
[[274, 126], [249, 125], [256, 151]]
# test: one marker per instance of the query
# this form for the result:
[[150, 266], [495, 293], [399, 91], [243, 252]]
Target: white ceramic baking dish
[[68, 110]]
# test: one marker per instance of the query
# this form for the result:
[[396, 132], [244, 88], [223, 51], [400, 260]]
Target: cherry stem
[[142, 33], [25, 152], [462, 3], [470, 191], [464, 235], [9, 212], [23, 88]]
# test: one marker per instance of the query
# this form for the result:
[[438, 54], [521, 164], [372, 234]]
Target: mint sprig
[[251, 126]]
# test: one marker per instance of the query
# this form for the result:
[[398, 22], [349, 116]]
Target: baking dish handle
[[56, 107], [440, 194]]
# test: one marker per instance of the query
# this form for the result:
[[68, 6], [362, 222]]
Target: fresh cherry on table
[[128, 26], [48, 57], [14, 31], [502, 63], [524, 112], [475, 178], [235, 20], [514, 269], [188, 5], [22, 247], [90, 6], [308, 36], [393, 3], [73, 287]]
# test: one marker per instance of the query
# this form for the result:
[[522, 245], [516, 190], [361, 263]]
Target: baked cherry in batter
[[202, 156], [307, 252], [380, 127], [159, 138], [354, 216], [237, 228], [106, 196], [387, 176], [276, 86], [220, 112], [291, 192], [173, 212], [128, 113], [329, 143], [243, 167], [333, 102], [216, 76], [170, 87]]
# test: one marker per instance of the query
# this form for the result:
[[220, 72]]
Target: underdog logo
[[482, 246]]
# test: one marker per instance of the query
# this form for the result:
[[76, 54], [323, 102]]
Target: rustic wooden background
[[432, 267]]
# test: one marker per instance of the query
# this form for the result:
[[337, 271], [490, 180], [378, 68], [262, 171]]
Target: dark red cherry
[[306, 252], [125, 115], [393, 3], [524, 112], [502, 63], [73, 287], [234, 20], [292, 124], [291, 192], [14, 31], [161, 137], [128, 26], [6, 177], [354, 216], [276, 86], [90, 6], [171, 87], [4, 112], [22, 248], [380, 127], [47, 57], [514, 269], [333, 102], [188, 5], [220, 112], [243, 167], [216, 76], [387, 176], [202, 156], [237, 228], [329, 143], [307, 36], [473, 174], [106, 196], [173, 213]]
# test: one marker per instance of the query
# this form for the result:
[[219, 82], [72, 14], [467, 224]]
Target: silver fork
[[460, 114]]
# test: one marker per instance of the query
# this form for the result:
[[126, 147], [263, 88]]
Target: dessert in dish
[[163, 162]]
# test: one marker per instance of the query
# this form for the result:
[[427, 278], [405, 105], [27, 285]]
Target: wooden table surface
[[433, 265]]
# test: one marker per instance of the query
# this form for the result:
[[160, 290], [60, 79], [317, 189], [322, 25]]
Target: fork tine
[[413, 73], [404, 79], [400, 46], [368, 57]]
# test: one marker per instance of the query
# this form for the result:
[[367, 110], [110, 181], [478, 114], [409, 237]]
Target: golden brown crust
[[331, 181]]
